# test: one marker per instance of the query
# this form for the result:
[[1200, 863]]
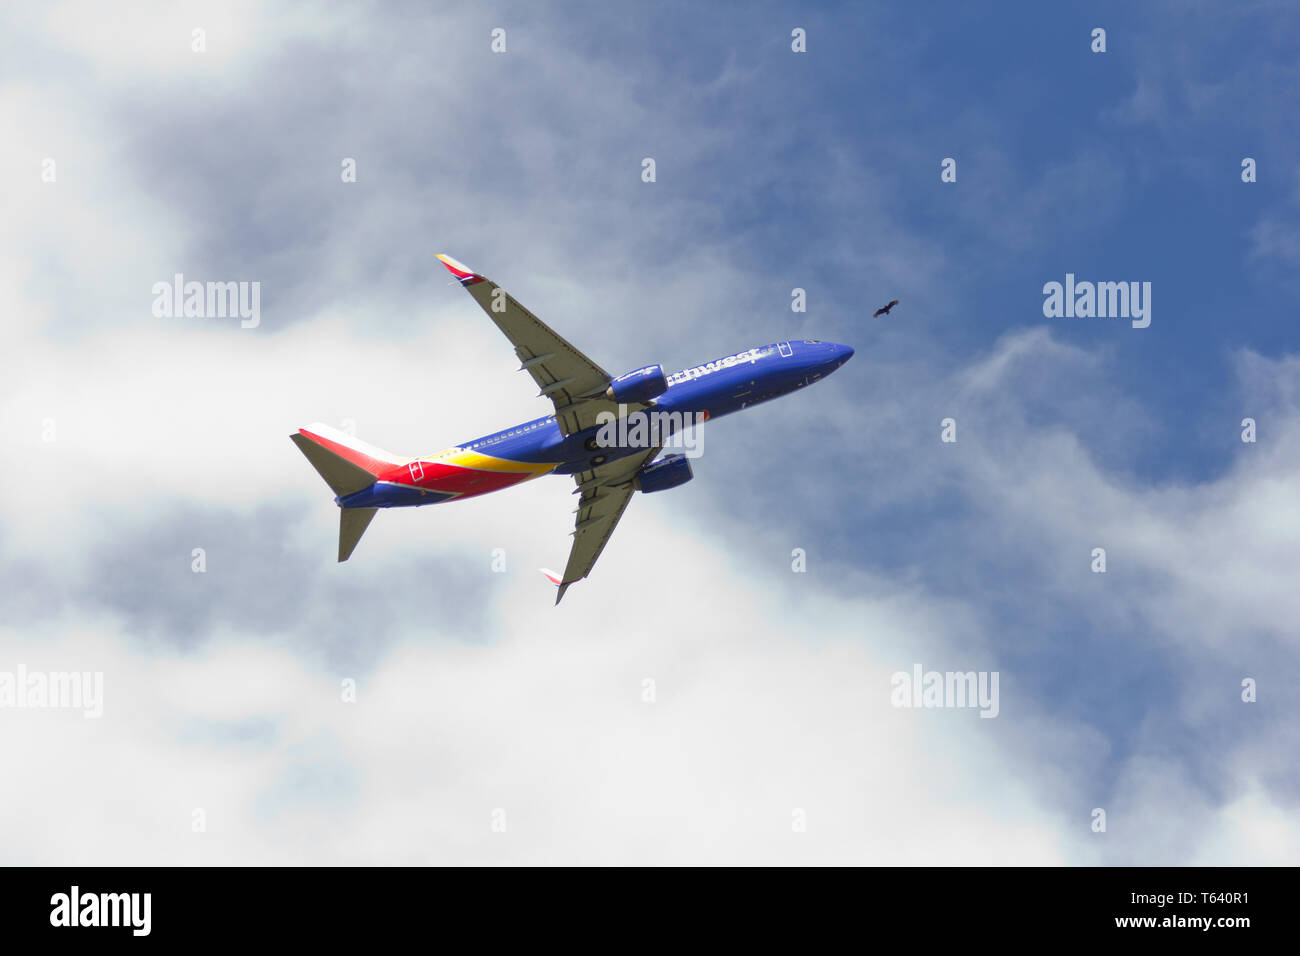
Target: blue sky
[[775, 170]]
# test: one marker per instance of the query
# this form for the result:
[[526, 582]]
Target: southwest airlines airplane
[[570, 442]]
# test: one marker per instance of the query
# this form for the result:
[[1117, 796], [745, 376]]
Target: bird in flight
[[885, 310]]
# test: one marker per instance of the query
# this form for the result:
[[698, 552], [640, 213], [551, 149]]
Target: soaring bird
[[885, 310]]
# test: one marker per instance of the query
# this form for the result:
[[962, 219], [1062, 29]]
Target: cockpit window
[[812, 341]]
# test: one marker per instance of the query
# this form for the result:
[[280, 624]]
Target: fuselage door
[[784, 349]]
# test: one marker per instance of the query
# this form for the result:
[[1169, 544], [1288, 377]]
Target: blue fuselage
[[538, 447], [714, 389]]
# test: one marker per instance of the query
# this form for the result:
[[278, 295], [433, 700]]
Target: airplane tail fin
[[348, 466]]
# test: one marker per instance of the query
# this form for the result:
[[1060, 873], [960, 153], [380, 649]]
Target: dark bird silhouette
[[885, 310]]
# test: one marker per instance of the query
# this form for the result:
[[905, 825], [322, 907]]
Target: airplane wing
[[605, 491], [568, 378]]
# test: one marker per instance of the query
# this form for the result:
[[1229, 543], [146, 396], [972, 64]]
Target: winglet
[[464, 273], [558, 581]]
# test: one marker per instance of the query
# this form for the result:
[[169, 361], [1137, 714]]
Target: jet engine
[[668, 472], [639, 386]]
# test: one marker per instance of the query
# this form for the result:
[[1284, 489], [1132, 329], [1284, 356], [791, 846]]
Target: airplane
[[571, 440]]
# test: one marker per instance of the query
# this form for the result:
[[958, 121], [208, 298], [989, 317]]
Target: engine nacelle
[[639, 386], [668, 472]]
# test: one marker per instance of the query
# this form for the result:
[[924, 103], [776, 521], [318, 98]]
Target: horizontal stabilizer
[[352, 525], [341, 475]]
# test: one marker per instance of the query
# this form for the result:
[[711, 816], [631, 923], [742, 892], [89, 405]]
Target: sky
[[722, 689]]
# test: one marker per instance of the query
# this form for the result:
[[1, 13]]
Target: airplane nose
[[840, 354], [833, 356]]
